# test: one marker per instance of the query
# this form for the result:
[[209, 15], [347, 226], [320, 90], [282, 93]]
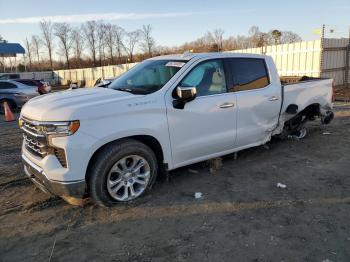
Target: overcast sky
[[177, 21]]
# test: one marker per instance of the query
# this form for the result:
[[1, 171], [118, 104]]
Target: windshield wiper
[[135, 91], [124, 89]]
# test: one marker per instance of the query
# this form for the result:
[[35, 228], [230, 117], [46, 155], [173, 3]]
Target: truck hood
[[70, 104]]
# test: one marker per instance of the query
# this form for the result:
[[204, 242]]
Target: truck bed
[[290, 80], [306, 92]]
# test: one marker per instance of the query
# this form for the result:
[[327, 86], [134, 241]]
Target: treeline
[[96, 43]]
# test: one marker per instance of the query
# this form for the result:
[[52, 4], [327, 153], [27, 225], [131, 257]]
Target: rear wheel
[[121, 172]]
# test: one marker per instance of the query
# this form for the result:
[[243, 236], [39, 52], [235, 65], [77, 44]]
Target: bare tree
[[218, 38], [289, 37], [254, 36], [64, 33], [131, 39], [110, 39], [90, 32], [276, 35], [36, 44], [113, 38], [101, 28], [29, 52], [148, 41], [119, 36], [78, 44], [47, 33]]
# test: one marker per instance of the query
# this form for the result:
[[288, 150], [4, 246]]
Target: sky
[[177, 21]]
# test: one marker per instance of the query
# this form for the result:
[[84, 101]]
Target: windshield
[[147, 77]]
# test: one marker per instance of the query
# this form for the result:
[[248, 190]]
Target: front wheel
[[121, 171]]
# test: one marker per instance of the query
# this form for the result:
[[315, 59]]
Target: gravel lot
[[242, 215]]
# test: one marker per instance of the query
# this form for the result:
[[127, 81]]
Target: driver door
[[206, 126]]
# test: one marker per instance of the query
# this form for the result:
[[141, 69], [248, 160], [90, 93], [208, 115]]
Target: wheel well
[[149, 141], [311, 110]]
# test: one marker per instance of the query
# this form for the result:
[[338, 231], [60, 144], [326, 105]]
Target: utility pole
[[323, 31], [322, 49], [347, 67]]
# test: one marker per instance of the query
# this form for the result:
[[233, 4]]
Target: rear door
[[258, 100]]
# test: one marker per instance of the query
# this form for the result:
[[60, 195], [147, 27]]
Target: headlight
[[60, 128]]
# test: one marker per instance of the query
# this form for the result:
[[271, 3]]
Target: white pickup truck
[[166, 112]]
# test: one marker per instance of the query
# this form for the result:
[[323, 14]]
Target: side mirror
[[183, 95]]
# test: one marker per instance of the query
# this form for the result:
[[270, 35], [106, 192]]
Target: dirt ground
[[242, 216]]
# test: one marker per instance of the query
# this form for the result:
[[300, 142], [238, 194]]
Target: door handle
[[227, 105], [273, 98]]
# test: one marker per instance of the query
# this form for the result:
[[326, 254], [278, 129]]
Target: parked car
[[43, 87], [164, 113], [9, 76], [15, 94]]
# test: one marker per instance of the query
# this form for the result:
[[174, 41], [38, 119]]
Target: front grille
[[34, 141], [34, 145]]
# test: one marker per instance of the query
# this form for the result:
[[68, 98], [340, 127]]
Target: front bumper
[[37, 175]]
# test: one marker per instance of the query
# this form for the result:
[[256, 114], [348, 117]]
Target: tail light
[[333, 91]]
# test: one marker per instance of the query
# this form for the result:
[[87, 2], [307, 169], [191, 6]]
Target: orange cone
[[8, 114]]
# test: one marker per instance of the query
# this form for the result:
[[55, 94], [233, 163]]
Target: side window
[[7, 85], [249, 73], [26, 82], [208, 77]]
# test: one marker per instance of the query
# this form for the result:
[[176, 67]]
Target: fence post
[[322, 49]]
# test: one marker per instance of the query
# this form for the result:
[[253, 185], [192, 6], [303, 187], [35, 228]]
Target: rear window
[[248, 74], [7, 85], [27, 82]]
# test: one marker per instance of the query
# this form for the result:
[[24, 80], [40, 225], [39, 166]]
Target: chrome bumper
[[39, 178]]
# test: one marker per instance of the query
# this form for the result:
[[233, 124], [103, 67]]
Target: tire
[[114, 164]]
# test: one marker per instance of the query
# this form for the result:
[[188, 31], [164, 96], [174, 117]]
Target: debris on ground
[[293, 137], [300, 134], [280, 185], [326, 133], [198, 195], [265, 146], [215, 164], [193, 171]]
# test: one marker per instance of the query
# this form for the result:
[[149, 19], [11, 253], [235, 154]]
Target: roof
[[189, 56], [7, 49]]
